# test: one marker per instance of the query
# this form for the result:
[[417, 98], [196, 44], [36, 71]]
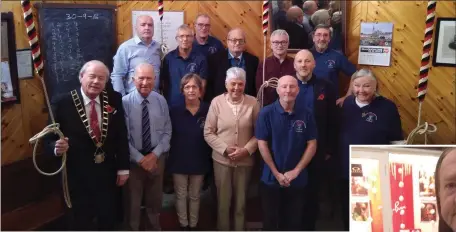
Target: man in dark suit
[[96, 143], [221, 61], [317, 94]]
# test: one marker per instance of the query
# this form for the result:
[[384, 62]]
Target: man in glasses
[[181, 61], [235, 56], [277, 65], [203, 42]]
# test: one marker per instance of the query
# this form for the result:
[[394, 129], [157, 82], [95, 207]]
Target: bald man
[[318, 95], [309, 8], [287, 142], [149, 133], [97, 157], [299, 34], [142, 48], [234, 56]]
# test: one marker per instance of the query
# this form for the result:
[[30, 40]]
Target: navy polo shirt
[[306, 95], [178, 68], [330, 63], [287, 135], [189, 153], [376, 123], [211, 46]]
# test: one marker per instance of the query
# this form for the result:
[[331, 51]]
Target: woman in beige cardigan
[[229, 130]]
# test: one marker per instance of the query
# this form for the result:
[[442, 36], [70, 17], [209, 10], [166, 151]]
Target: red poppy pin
[[321, 97], [109, 109]]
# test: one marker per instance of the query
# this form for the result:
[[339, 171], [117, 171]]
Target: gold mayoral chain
[[99, 155]]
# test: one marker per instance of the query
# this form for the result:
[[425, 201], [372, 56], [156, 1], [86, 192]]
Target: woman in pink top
[[229, 131]]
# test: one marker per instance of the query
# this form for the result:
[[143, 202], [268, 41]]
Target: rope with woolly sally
[[272, 82], [424, 128], [53, 127]]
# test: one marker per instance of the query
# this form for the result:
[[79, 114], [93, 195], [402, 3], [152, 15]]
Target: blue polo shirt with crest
[[376, 123], [177, 67], [211, 46], [330, 63], [287, 135]]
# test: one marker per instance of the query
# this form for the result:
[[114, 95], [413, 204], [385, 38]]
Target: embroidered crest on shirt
[[201, 121], [299, 126], [192, 67], [331, 63], [212, 50], [369, 116]]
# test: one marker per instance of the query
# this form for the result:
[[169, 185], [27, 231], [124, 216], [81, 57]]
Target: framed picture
[[445, 43], [9, 76]]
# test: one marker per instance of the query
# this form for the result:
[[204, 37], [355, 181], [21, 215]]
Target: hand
[[61, 146], [121, 179], [340, 101], [149, 162], [282, 180], [230, 150], [238, 153], [291, 175]]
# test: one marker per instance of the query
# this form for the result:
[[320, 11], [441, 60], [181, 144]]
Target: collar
[[230, 56], [87, 99], [314, 50], [280, 109], [311, 81], [140, 98], [287, 58], [177, 55], [139, 41]]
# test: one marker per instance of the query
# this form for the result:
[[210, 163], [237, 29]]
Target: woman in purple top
[[189, 158]]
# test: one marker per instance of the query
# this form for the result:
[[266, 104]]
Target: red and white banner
[[401, 181]]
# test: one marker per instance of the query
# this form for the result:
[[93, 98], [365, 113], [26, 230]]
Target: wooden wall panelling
[[399, 81]]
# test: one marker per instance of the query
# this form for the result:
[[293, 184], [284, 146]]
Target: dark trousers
[[94, 207], [282, 207], [312, 207]]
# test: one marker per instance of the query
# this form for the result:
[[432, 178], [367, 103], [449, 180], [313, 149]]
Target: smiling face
[[287, 89], [93, 79], [235, 88], [321, 38], [184, 38], [236, 41], [364, 88], [202, 26], [144, 79], [447, 189], [279, 45], [304, 63]]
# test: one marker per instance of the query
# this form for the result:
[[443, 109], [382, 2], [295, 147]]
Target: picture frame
[[10, 80], [445, 43]]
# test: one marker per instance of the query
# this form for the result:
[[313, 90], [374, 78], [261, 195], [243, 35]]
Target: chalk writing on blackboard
[[82, 16]]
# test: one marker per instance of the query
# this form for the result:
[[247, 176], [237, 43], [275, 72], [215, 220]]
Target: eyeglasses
[[276, 43], [235, 41], [202, 25], [184, 36]]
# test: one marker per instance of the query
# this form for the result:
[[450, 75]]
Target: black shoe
[[185, 228]]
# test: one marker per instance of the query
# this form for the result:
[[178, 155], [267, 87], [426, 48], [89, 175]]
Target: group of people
[[196, 112], [299, 18]]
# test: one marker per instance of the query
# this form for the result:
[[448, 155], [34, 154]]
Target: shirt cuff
[[123, 172]]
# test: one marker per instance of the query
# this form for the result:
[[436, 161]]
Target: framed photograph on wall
[[445, 43], [9, 77]]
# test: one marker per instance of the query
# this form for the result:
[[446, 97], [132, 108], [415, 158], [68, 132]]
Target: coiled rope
[[425, 128], [53, 127], [273, 83]]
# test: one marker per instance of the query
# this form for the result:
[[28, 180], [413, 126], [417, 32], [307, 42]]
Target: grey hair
[[184, 27], [143, 65], [320, 17], [235, 73], [93, 62], [201, 15], [365, 73], [280, 32]]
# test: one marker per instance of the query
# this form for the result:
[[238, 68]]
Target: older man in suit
[[234, 56], [96, 143]]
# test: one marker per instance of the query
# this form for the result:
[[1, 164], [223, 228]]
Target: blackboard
[[71, 35]]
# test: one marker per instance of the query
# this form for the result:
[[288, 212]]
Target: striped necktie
[[146, 140]]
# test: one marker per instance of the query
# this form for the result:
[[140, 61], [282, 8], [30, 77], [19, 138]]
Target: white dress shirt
[[86, 100]]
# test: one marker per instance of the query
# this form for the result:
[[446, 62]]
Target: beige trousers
[[231, 181], [188, 186], [149, 184]]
